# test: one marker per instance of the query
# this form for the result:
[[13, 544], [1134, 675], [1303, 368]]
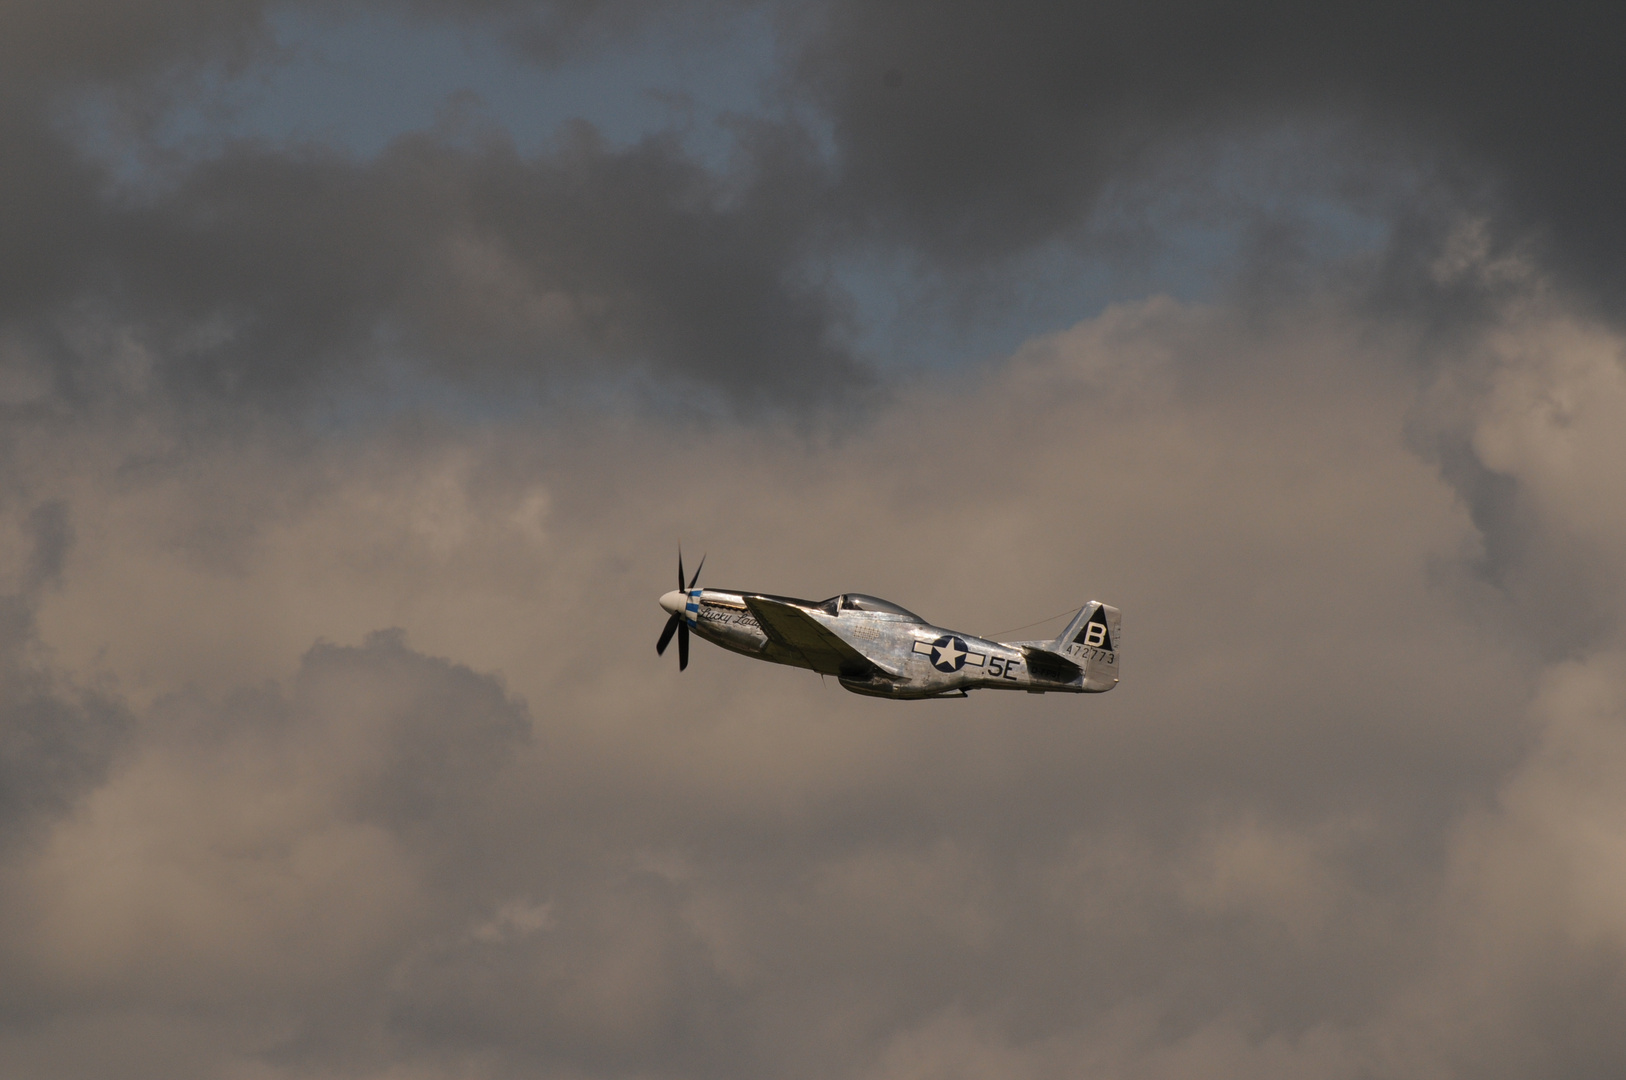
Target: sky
[[363, 366]]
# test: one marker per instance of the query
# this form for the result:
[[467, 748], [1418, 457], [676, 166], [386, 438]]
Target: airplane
[[876, 648]]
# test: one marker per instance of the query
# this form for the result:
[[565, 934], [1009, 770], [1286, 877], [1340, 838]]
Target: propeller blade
[[666, 635], [683, 645], [697, 570], [680, 569]]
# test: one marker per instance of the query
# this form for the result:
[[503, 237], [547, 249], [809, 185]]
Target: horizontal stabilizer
[[1049, 666]]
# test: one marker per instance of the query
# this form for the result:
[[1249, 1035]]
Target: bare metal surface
[[879, 649]]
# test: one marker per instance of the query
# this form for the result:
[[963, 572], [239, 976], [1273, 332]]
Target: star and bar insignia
[[949, 653]]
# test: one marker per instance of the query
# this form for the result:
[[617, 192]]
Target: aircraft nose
[[674, 601]]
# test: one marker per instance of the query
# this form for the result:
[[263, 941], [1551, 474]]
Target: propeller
[[678, 624]]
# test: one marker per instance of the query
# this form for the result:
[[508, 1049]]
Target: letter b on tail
[[1092, 641]]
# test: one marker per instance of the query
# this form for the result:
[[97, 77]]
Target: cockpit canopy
[[860, 602]]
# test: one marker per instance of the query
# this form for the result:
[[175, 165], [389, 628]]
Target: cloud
[[262, 274], [265, 275], [1299, 839], [340, 748], [973, 133], [262, 858], [57, 738], [950, 144], [1532, 958]]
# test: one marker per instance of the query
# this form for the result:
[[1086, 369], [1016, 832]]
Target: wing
[[794, 629]]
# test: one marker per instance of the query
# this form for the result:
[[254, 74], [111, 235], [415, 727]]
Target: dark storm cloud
[[50, 45], [964, 133], [56, 739], [51, 532], [1353, 812], [476, 261], [974, 130], [556, 30], [264, 270]]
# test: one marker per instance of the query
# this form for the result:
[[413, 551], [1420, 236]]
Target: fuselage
[[908, 657]]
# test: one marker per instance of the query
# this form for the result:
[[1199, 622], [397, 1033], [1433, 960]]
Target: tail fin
[[1092, 641]]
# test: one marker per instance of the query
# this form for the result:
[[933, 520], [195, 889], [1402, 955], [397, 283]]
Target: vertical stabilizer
[[1093, 641]]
